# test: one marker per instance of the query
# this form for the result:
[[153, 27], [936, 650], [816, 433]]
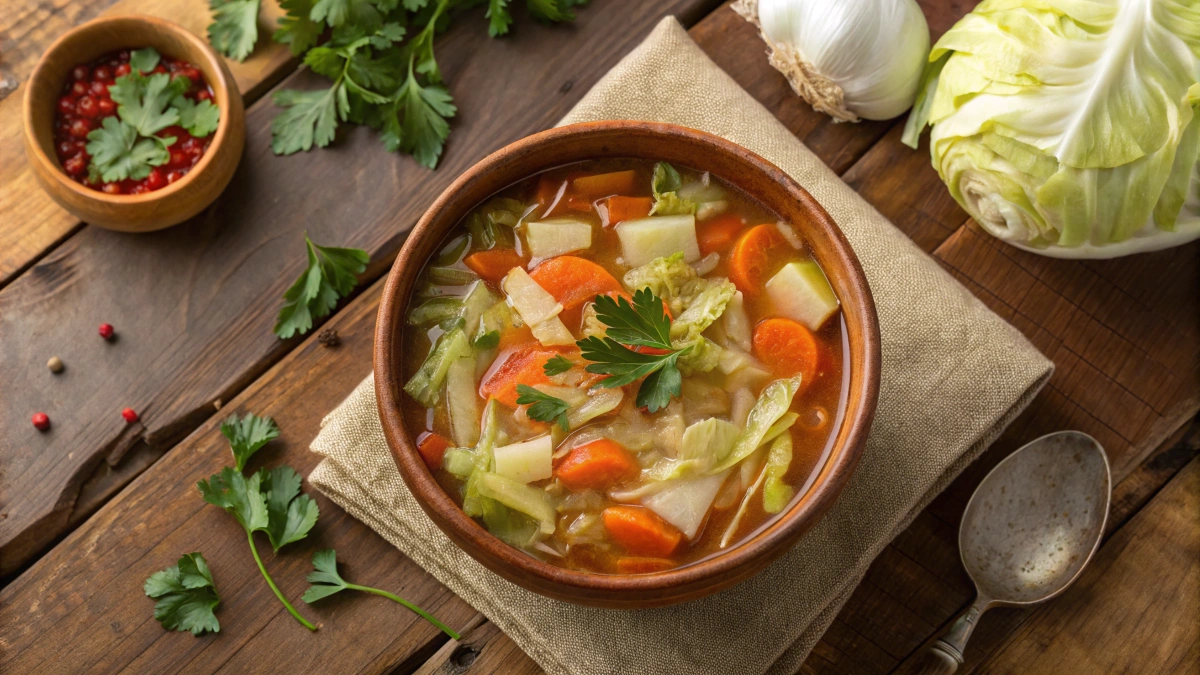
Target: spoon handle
[[945, 656]]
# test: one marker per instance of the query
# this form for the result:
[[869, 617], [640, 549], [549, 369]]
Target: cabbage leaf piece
[[1069, 128], [771, 407]]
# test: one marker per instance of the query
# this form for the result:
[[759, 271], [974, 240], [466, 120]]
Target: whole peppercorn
[[41, 421], [55, 365], [328, 337], [129, 415], [106, 331]]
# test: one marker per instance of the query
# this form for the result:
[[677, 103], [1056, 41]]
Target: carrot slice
[[755, 256], [432, 447], [618, 208], [520, 366], [788, 348], [641, 531], [717, 234], [493, 264], [573, 281], [596, 466], [637, 565], [555, 194], [605, 184]]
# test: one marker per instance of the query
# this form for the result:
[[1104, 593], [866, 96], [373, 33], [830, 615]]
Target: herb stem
[[271, 582], [425, 615]]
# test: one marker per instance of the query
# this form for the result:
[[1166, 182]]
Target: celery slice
[[528, 500], [462, 401], [426, 384]]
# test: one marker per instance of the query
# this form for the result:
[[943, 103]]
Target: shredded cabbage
[[1069, 128], [694, 301], [776, 493], [772, 406]]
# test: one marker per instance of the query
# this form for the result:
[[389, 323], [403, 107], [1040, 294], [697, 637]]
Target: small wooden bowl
[[149, 211], [684, 147]]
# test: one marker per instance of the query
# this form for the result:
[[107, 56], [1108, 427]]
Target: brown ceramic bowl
[[684, 147], [149, 211]]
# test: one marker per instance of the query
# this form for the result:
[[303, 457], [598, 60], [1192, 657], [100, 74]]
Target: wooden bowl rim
[[769, 541], [220, 82]]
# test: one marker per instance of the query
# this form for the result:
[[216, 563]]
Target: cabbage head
[[1069, 127]]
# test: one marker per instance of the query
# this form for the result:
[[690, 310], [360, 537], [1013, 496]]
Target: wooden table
[[90, 509]]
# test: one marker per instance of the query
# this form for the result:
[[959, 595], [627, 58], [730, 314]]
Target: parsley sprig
[[185, 596], [556, 365], [379, 59], [331, 274], [326, 581], [643, 324], [247, 435], [543, 407]]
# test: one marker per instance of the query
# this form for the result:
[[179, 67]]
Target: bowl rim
[[770, 539], [221, 84]]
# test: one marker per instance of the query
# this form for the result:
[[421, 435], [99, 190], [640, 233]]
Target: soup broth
[[623, 367]]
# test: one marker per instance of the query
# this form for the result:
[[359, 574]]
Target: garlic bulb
[[849, 59]]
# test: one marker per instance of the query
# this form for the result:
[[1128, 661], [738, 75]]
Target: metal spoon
[[1028, 531]]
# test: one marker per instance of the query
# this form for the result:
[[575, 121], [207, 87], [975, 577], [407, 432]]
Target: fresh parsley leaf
[[144, 60], [199, 119], [338, 12], [556, 365], [424, 128], [489, 340], [234, 29], [326, 581], [186, 596], [552, 10], [331, 274], [296, 29], [241, 497], [643, 324], [144, 102], [309, 117], [498, 17], [117, 152], [543, 407], [290, 515], [247, 435]]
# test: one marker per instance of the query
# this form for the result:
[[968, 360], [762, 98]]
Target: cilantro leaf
[[247, 435], [290, 515], [144, 102], [309, 117], [234, 29], [498, 17], [117, 152], [543, 407], [326, 581], [331, 274], [557, 365], [186, 596], [144, 60], [200, 119], [296, 29], [424, 128], [241, 497]]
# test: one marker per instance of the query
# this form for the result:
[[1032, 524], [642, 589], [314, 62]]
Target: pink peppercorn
[[106, 331], [41, 421], [129, 415]]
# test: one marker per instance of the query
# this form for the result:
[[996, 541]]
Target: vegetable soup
[[621, 366]]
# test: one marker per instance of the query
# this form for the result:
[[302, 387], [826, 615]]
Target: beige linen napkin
[[954, 375]]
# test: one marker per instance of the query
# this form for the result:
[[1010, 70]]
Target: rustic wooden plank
[[81, 607], [193, 306], [1119, 617], [31, 224]]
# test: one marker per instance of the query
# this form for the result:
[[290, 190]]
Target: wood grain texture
[[193, 306], [31, 224]]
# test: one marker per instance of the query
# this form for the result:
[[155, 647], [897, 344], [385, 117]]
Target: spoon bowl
[[1029, 530]]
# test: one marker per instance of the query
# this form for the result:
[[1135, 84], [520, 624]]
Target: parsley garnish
[[144, 102], [234, 29], [200, 119], [486, 341], [186, 596], [642, 324], [144, 60], [326, 581], [544, 407], [119, 153], [331, 274], [556, 365], [247, 435]]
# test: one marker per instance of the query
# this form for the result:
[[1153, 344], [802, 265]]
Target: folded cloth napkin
[[954, 375]]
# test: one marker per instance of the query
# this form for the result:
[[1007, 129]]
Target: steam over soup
[[623, 367]]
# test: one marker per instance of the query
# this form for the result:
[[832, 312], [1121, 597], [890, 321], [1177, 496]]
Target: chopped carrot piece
[[553, 195], [596, 466], [635, 565], [432, 447], [606, 184], [520, 366], [788, 348], [573, 281], [717, 234], [641, 531], [493, 264], [756, 255], [618, 208]]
